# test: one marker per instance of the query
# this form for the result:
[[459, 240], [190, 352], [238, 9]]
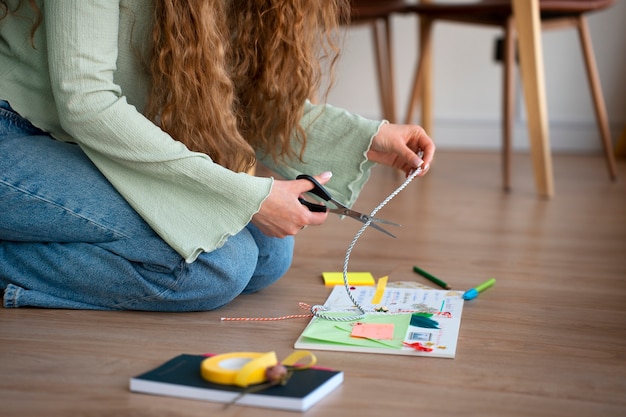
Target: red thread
[[292, 316]]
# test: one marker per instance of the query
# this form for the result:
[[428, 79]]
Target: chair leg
[[422, 88], [384, 66], [391, 85], [508, 105], [427, 78], [598, 99]]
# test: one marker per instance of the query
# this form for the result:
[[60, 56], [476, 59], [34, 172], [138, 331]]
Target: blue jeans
[[69, 240]]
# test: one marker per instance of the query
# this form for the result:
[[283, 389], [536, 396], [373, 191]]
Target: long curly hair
[[231, 77]]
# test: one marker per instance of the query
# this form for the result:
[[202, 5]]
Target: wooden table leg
[[528, 23]]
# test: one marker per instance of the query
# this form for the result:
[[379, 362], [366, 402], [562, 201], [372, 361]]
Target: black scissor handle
[[317, 208], [318, 190]]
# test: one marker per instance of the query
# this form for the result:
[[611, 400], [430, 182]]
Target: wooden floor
[[549, 339]]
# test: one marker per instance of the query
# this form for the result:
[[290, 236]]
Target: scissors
[[341, 210]]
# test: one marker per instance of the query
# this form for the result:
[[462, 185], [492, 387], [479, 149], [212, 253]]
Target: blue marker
[[473, 293]]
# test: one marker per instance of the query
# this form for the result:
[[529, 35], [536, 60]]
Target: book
[[180, 377], [404, 321]]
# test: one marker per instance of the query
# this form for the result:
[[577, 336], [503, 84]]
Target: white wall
[[467, 81]]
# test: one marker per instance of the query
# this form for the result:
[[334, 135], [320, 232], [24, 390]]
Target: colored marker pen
[[473, 293], [432, 278]]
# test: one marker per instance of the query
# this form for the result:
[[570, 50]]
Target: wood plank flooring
[[549, 339]]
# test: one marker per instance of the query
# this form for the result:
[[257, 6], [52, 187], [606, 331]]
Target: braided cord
[[319, 310]]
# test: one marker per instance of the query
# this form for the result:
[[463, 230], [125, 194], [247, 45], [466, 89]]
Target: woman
[[127, 128]]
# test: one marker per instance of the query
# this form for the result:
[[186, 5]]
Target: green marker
[[473, 293], [431, 278]]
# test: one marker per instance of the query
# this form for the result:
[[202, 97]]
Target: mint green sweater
[[86, 82]]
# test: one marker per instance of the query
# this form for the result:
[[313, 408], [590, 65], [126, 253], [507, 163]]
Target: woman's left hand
[[400, 146]]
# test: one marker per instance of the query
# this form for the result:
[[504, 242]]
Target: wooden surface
[[549, 339]]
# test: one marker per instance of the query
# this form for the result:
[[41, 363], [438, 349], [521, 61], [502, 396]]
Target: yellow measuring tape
[[248, 368]]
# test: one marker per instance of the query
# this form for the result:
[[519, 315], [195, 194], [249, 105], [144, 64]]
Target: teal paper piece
[[419, 320]]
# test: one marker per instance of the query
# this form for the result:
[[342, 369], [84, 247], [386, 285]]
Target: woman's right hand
[[281, 214]]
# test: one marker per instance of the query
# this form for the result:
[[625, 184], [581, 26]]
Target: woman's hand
[[399, 146], [281, 213]]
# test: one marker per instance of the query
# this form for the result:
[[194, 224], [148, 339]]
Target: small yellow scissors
[[340, 209]]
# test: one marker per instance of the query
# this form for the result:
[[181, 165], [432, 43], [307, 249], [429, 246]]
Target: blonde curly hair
[[231, 77]]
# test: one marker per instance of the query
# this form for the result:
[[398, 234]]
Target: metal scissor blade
[[380, 229], [363, 218], [344, 211]]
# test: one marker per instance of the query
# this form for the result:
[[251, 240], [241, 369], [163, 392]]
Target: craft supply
[[380, 290], [376, 331], [321, 192], [473, 293], [354, 278], [418, 346], [438, 326], [421, 320], [252, 370], [302, 305], [238, 368], [291, 316], [431, 277]]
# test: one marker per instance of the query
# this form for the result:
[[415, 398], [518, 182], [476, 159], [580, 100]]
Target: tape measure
[[248, 368]]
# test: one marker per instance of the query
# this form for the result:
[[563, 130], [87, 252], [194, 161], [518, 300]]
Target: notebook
[[180, 377]]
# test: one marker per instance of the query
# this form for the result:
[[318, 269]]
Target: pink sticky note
[[378, 331]]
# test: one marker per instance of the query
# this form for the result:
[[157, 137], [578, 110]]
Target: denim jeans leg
[[275, 256], [56, 209], [69, 240]]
